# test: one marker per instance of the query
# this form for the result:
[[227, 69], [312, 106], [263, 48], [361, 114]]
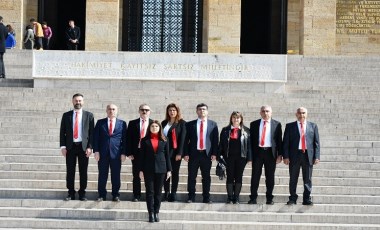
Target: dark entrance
[[263, 27], [57, 14]]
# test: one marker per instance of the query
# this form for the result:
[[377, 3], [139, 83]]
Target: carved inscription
[[358, 17], [160, 66]]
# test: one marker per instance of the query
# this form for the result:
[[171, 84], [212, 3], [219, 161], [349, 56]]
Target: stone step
[[57, 159], [215, 187], [141, 215], [327, 152], [243, 207], [25, 83], [345, 170], [218, 197], [127, 176], [170, 224]]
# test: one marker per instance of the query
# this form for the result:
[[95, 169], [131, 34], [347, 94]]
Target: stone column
[[102, 25], [12, 12], [317, 27], [223, 25]]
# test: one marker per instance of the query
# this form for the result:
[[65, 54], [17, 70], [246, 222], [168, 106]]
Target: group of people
[[156, 150], [37, 35]]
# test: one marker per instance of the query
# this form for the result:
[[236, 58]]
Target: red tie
[[110, 129], [303, 139], [142, 129], [201, 141], [262, 141], [76, 124]]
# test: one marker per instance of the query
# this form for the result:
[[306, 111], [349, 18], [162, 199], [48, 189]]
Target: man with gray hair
[[110, 135], [301, 149], [137, 130], [266, 142]]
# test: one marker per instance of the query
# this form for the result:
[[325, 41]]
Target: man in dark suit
[[301, 149], [3, 37], [110, 136], [202, 139], [266, 139], [76, 132], [72, 36], [137, 129]]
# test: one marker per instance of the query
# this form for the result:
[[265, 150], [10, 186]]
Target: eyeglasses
[[111, 109], [144, 110]]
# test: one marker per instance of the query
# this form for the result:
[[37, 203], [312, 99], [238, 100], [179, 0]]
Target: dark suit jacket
[[151, 162], [292, 139], [115, 145], [66, 131], [276, 137], [3, 37], [211, 138], [133, 136], [180, 133], [72, 33]]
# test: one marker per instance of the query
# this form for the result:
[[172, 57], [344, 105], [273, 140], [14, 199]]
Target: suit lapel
[[272, 130], [84, 118]]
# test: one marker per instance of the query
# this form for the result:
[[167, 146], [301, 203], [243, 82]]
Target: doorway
[[57, 14], [263, 27]]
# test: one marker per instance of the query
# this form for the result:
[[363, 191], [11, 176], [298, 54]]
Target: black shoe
[[291, 202], [252, 201], [136, 199], [69, 197], [151, 218], [307, 202], [229, 201], [83, 198], [190, 201], [100, 199], [207, 201], [156, 217], [116, 199], [165, 197], [2, 76], [270, 202], [172, 197]]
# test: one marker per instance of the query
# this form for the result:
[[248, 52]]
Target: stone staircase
[[341, 94]]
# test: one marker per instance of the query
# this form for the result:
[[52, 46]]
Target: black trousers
[[202, 161], [153, 187], [235, 169], [136, 176], [264, 157], [174, 178], [72, 46], [71, 161], [104, 164], [2, 67], [301, 161], [38, 42], [45, 43]]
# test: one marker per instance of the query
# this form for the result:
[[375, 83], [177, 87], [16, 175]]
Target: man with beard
[[76, 132]]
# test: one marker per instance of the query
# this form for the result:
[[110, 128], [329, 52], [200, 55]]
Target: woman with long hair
[[154, 167], [174, 128]]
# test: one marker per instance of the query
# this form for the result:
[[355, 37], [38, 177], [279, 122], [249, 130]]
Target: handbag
[[220, 169]]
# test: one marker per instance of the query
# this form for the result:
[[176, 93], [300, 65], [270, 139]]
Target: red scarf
[[174, 138], [154, 140], [234, 133]]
